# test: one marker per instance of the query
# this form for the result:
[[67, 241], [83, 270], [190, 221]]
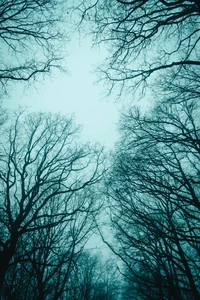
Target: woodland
[[142, 199]]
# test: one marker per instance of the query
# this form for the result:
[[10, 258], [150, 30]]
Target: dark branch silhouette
[[29, 33], [46, 181], [143, 38]]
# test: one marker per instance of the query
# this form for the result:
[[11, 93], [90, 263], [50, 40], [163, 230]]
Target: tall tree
[[43, 169], [154, 201]]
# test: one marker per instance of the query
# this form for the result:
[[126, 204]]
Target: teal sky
[[74, 93]]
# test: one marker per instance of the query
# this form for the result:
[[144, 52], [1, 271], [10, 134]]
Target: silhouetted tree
[[94, 278], [42, 265], [46, 181], [143, 38], [154, 201], [31, 35]]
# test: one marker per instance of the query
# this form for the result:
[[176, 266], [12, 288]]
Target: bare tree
[[31, 36], [44, 259], [143, 38], [94, 278], [154, 201], [43, 170]]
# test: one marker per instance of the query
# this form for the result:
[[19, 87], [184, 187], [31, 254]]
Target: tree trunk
[[5, 257]]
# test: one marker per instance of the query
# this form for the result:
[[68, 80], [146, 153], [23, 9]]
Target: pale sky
[[75, 94]]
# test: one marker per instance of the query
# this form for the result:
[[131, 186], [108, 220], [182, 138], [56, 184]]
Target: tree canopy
[[46, 182], [31, 35], [55, 189], [144, 38], [153, 189]]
